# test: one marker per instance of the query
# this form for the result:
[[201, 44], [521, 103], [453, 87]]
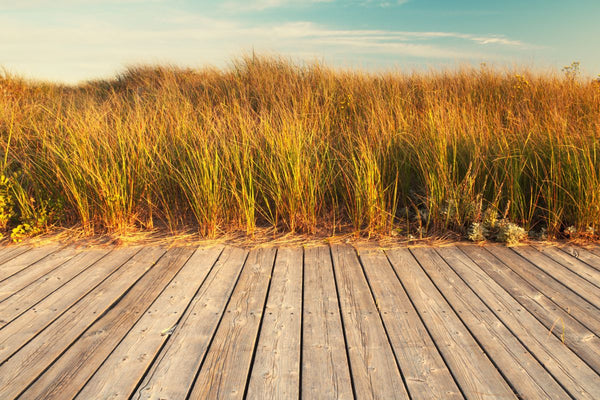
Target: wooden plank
[[225, 368], [575, 335], [474, 373], [6, 250], [584, 254], [373, 366], [30, 323], [38, 269], [173, 373], [566, 367], [325, 369], [276, 368], [23, 367], [424, 370], [24, 260], [568, 300], [25, 298], [10, 252], [521, 369], [68, 374], [594, 249], [565, 276], [582, 269], [121, 372]]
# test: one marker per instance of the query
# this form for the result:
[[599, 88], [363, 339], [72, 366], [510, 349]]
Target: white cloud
[[384, 3], [260, 5], [308, 29], [24, 4], [80, 48]]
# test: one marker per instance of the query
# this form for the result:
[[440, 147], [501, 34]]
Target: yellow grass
[[305, 149]]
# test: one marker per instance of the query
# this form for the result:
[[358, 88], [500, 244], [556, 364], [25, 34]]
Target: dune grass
[[301, 148]]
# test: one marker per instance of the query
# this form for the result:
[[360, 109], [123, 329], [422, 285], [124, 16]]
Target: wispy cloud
[[260, 5], [311, 30], [93, 48], [21, 4], [383, 3]]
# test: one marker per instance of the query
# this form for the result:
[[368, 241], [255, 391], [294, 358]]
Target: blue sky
[[74, 40]]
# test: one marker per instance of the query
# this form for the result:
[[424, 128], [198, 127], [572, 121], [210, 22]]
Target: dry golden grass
[[269, 146]]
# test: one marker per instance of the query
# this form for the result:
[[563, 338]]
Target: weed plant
[[302, 148]]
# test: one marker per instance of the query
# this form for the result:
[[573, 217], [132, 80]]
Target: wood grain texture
[[276, 368], [67, 375], [575, 335], [475, 374], [566, 367], [22, 368], [289, 322], [10, 252], [582, 269], [568, 300], [25, 298], [36, 270], [172, 374], [225, 369], [122, 371], [325, 369], [564, 275], [373, 366], [424, 370], [582, 253], [34, 320], [525, 374], [594, 249], [24, 260]]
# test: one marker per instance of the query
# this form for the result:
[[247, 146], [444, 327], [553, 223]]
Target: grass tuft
[[268, 143]]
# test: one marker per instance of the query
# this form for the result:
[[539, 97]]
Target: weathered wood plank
[[121, 372], [573, 374], [23, 367], [226, 367], [582, 269], [30, 323], [424, 370], [584, 254], [25, 259], [276, 368], [19, 280], [594, 249], [568, 300], [373, 366], [25, 298], [575, 335], [172, 374], [204, 333], [565, 276], [10, 252], [515, 361], [67, 375], [325, 369], [475, 374]]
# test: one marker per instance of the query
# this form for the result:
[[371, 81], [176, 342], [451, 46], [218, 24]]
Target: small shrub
[[490, 228], [509, 233], [6, 203], [23, 231], [477, 232]]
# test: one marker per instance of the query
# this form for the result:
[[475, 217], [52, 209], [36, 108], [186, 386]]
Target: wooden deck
[[316, 322]]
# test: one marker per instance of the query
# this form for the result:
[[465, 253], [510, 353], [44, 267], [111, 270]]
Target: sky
[[71, 41]]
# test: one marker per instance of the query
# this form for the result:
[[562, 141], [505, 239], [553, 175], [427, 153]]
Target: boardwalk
[[316, 322]]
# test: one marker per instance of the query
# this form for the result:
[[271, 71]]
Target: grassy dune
[[266, 143]]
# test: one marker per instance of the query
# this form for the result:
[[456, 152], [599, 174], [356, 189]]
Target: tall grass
[[305, 149]]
